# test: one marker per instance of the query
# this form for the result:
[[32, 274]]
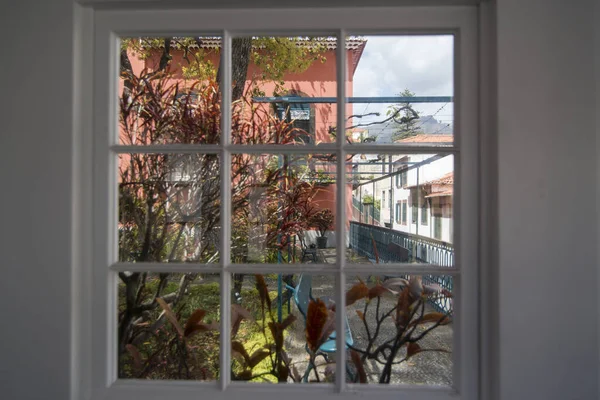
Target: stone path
[[426, 368]]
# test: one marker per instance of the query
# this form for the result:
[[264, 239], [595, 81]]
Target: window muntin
[[461, 230]]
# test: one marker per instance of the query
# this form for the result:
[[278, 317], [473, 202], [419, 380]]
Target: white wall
[[35, 216], [548, 257], [547, 285], [597, 69]]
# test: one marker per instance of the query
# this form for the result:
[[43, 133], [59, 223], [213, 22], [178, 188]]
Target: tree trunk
[[240, 59]]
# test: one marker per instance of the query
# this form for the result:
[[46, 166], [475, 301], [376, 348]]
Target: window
[[424, 212], [414, 207], [437, 227], [401, 177], [383, 198], [301, 116], [224, 221]]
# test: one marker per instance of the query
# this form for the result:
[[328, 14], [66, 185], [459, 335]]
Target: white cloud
[[390, 64]]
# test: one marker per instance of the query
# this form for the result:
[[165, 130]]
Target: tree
[[169, 203], [405, 118], [274, 56]]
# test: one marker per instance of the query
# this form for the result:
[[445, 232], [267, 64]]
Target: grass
[[204, 293]]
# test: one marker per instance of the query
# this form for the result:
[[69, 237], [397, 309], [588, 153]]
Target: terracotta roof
[[447, 179], [428, 138], [444, 180], [329, 43], [356, 44], [440, 194]]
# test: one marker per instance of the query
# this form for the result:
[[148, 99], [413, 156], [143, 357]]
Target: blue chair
[[302, 296]]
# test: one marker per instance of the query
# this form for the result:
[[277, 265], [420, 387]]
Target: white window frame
[[109, 24]]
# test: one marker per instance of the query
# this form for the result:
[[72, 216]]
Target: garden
[[282, 325]]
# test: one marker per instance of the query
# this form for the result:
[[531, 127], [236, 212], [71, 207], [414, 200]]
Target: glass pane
[[283, 328], [283, 208], [168, 326], [284, 90], [398, 229], [402, 91], [169, 207], [169, 90], [402, 329]]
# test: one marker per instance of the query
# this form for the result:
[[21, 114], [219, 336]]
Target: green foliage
[[276, 56], [322, 220], [200, 66], [160, 349], [368, 199], [405, 118], [322, 178]]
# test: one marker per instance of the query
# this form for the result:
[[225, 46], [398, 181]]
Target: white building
[[414, 191]]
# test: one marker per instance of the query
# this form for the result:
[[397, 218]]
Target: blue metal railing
[[357, 204], [368, 211], [413, 249]]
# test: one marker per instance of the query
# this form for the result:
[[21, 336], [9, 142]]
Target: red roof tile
[[428, 138]]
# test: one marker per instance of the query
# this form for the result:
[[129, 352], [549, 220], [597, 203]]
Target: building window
[[437, 227], [189, 257], [414, 207], [437, 215], [383, 199], [302, 118], [401, 177], [424, 212]]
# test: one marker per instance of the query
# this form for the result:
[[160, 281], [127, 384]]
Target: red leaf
[[194, 319], [245, 375], [360, 368], [395, 284], [316, 317], [135, 354], [170, 315], [277, 333], [295, 374], [412, 349], [356, 292], [200, 327], [238, 349], [257, 357], [360, 315], [377, 291], [403, 309], [443, 319], [288, 321], [263, 292], [238, 313]]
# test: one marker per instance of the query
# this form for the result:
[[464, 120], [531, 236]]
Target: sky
[[390, 64]]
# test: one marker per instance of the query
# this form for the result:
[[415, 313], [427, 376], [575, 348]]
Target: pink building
[[318, 80]]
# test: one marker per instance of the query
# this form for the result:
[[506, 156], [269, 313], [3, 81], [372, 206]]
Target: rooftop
[[355, 44], [428, 138]]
